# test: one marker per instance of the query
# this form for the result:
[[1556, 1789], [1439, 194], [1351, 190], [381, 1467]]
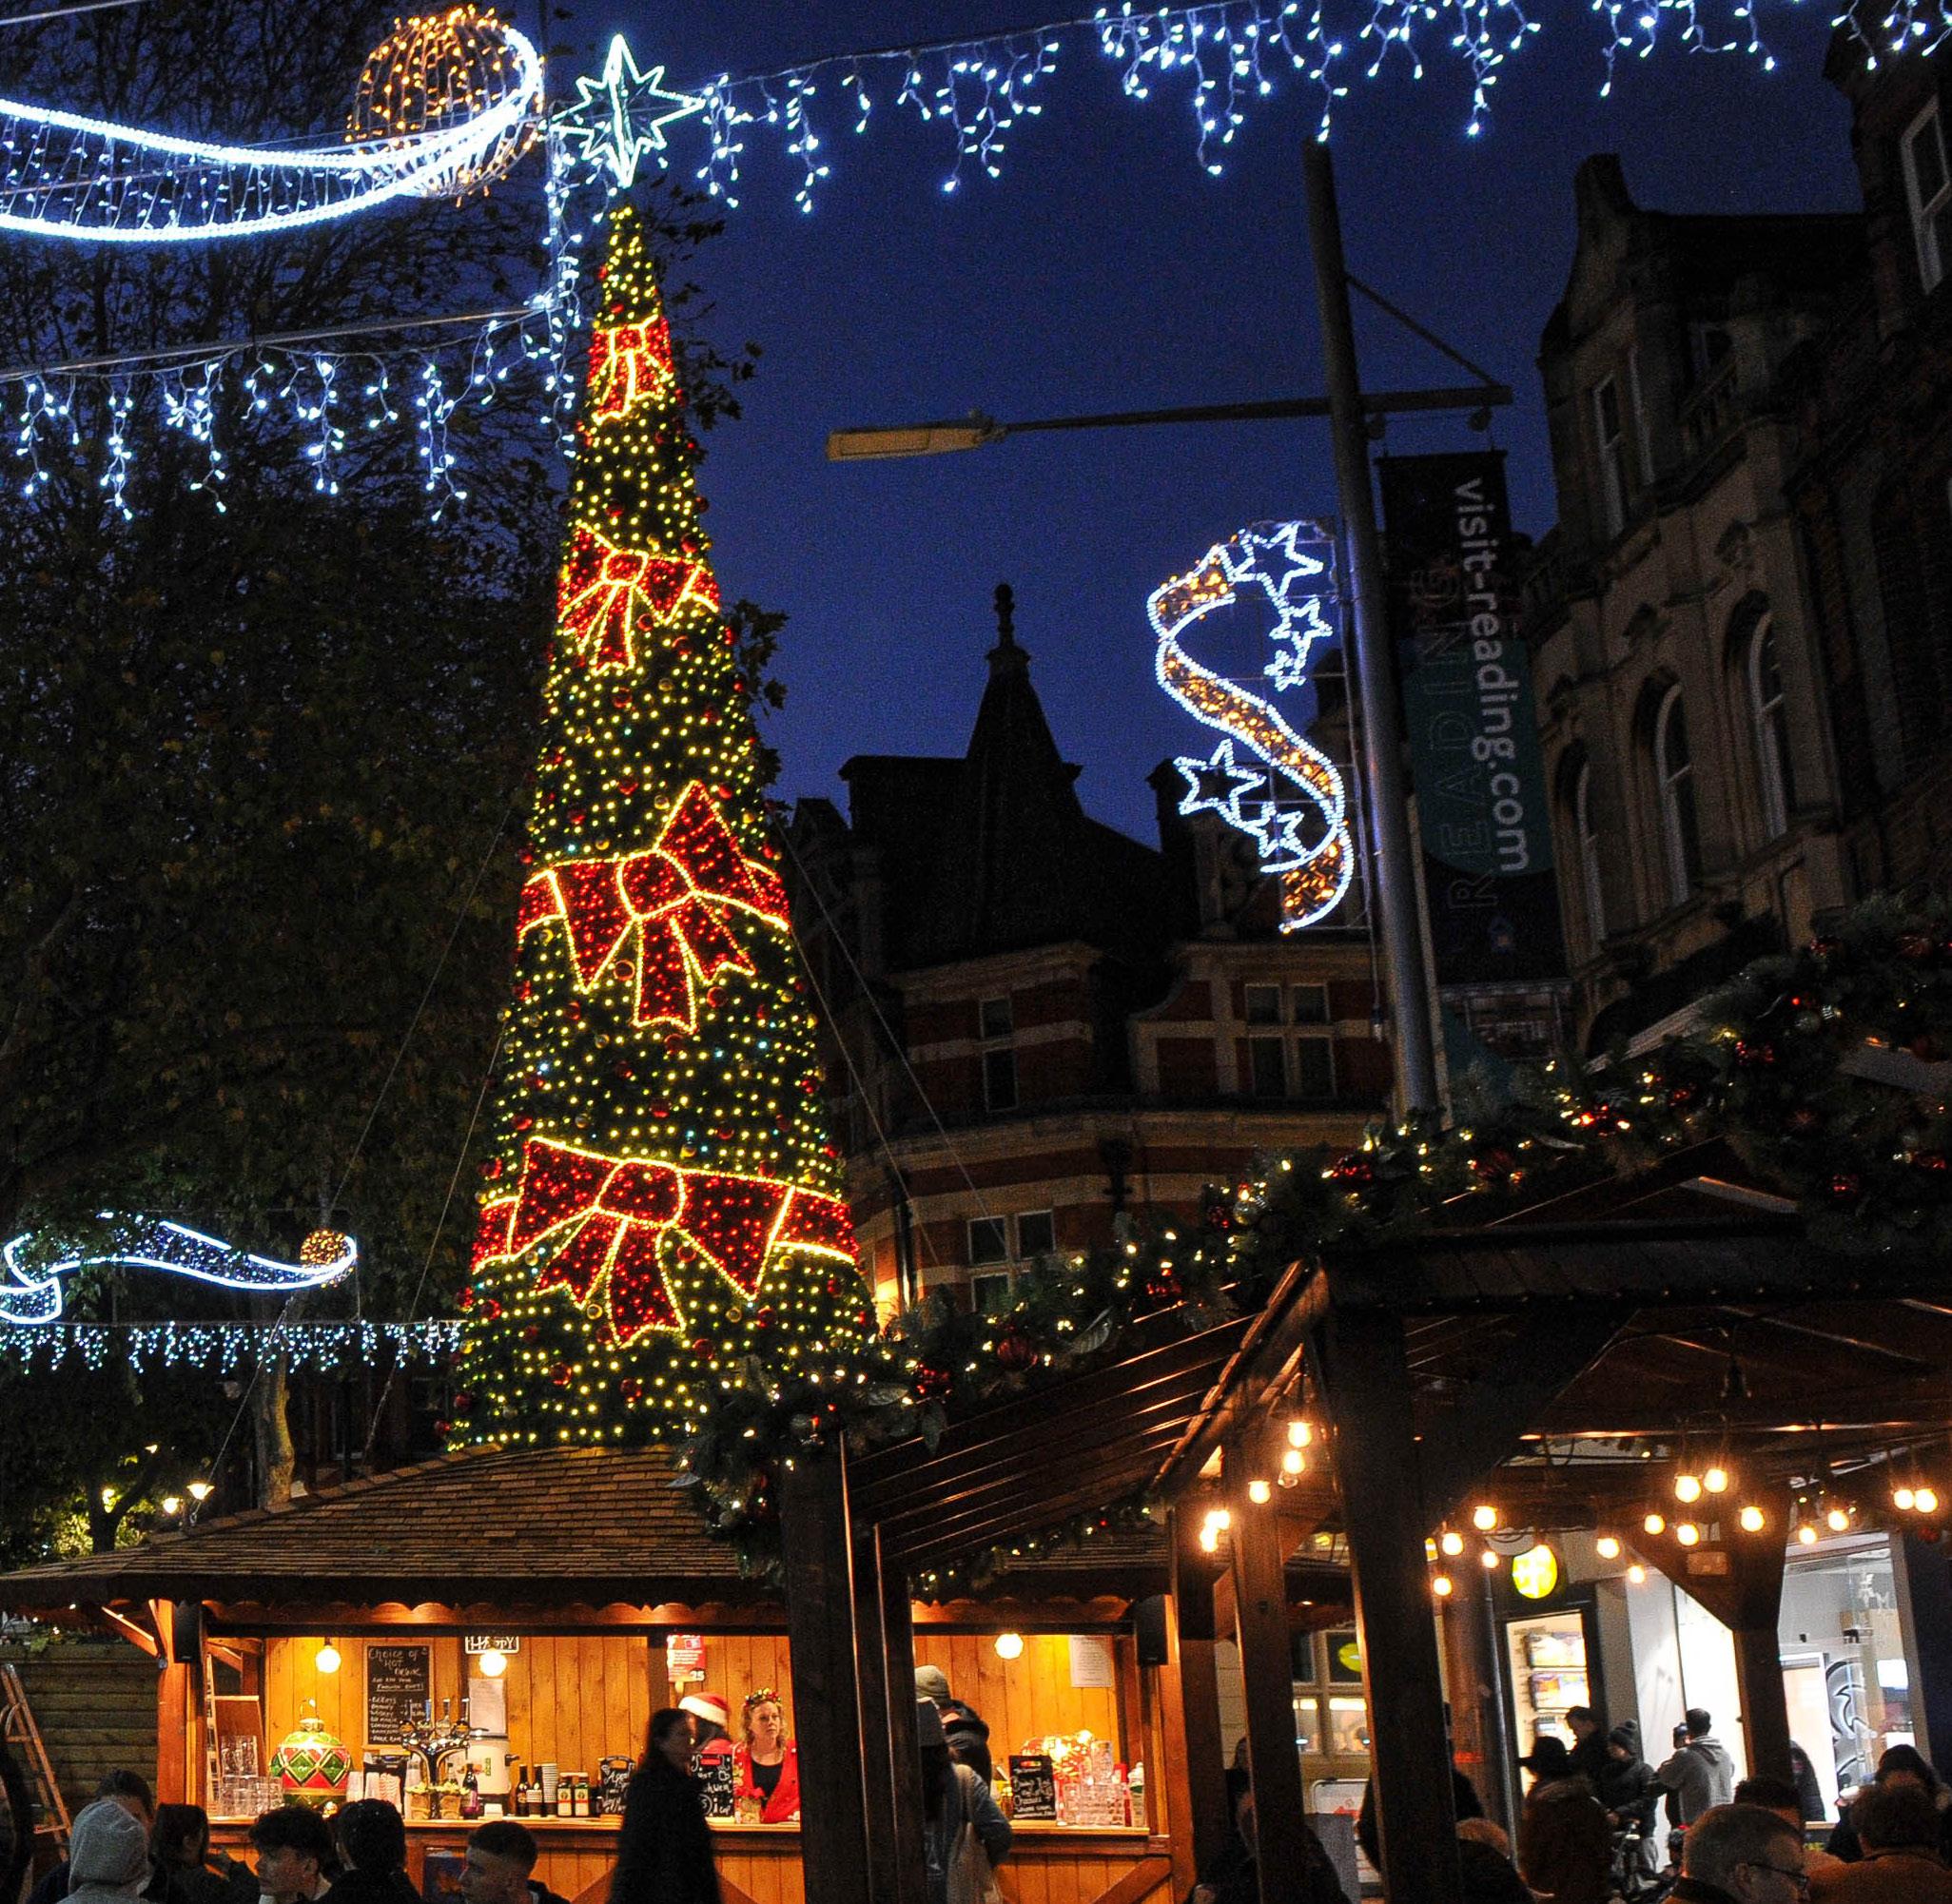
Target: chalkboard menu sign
[[400, 1683], [718, 1774], [615, 1777], [1033, 1787]]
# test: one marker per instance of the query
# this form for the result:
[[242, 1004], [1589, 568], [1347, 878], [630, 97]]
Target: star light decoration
[[1292, 567], [620, 117]]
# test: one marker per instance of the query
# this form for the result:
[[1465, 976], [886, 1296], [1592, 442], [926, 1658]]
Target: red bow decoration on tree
[[625, 1206], [669, 899], [629, 364], [605, 589]]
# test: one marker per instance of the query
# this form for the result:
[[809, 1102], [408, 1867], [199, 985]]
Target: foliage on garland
[[1821, 1067]]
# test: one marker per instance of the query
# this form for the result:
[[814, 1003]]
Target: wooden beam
[[1540, 1362], [130, 1631], [1267, 1677], [827, 1693], [877, 1757], [1921, 1401], [1765, 1704], [1362, 1373], [1198, 1761]]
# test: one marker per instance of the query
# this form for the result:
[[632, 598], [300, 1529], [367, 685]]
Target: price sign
[[1033, 1786], [684, 1656]]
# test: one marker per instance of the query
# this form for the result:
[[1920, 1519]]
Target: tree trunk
[[276, 1459]]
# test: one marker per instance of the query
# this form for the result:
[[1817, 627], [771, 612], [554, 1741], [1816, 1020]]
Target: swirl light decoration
[[32, 1296], [65, 175], [1291, 564]]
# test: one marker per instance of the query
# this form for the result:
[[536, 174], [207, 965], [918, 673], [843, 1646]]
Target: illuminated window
[[996, 1018], [1612, 442], [1771, 730], [1674, 777], [1928, 186], [1263, 1005], [1035, 1234], [1588, 856], [989, 1240], [1000, 1079]]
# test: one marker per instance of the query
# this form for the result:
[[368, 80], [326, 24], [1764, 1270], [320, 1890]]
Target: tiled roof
[[534, 1527]]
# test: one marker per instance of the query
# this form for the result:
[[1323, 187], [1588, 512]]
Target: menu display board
[[719, 1775], [614, 1781], [1033, 1787], [399, 1688]]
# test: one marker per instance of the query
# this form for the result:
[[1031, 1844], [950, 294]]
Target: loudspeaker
[[185, 1632], [1149, 1629]]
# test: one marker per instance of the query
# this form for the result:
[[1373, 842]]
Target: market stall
[[488, 1635]]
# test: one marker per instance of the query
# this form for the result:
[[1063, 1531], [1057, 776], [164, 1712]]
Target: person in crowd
[[664, 1851], [109, 1854], [1588, 1749], [1741, 1855], [1565, 1845], [768, 1764], [1484, 1857], [1626, 1785], [1900, 1765], [1465, 1804], [710, 1724], [296, 1859], [373, 1850], [501, 1853], [1810, 1793], [180, 1855], [953, 1795], [1780, 1796], [1235, 1876], [1699, 1772], [16, 1827], [1898, 1829], [968, 1738], [130, 1790]]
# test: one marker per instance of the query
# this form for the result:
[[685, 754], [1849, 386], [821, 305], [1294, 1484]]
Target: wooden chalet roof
[[542, 1527]]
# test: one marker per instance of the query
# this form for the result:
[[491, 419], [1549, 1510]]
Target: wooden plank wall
[[1025, 1697]]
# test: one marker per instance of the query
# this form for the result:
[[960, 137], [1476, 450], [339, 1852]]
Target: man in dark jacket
[[1588, 1751], [501, 1853], [968, 1738], [664, 1851], [1741, 1855], [373, 1850]]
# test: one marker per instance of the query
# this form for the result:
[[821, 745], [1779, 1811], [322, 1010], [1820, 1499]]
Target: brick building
[[1037, 1025]]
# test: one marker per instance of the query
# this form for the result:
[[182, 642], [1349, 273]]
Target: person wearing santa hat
[[715, 1721]]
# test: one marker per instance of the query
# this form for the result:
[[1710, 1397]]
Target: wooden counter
[[760, 1864]]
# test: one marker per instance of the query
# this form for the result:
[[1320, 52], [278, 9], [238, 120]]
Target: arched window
[[1588, 855], [1674, 779], [1771, 721]]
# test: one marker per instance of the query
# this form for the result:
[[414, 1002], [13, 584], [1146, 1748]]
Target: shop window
[[989, 1239], [1263, 1005], [1310, 1004], [1771, 730], [1348, 1725], [996, 1018], [1928, 187], [1314, 1069], [1035, 1234], [1000, 1079], [1307, 1723], [990, 1295], [1267, 1067], [1674, 780], [1611, 440]]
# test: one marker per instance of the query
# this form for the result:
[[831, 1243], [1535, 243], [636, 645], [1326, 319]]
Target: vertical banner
[[1475, 757]]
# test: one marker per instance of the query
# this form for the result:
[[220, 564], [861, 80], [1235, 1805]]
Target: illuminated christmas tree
[[661, 1202]]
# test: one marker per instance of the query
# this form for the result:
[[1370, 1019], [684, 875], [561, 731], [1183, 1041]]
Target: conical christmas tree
[[661, 1202]]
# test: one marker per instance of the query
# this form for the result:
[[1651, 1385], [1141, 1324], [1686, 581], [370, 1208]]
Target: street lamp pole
[[1383, 784]]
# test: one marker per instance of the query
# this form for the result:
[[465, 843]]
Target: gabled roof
[[531, 1526]]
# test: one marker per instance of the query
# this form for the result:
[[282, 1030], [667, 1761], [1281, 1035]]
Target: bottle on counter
[[565, 1795], [471, 1806], [580, 1801], [1135, 1798]]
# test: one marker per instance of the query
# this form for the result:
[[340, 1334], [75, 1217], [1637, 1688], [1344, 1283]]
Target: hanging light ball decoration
[[435, 72], [322, 1247], [311, 1764]]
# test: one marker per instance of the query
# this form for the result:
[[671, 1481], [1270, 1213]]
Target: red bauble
[[1934, 1160], [560, 1374], [1165, 1285], [630, 1389], [465, 1299], [1353, 1167], [932, 1381], [532, 1331], [464, 1402], [1015, 1349], [491, 1310]]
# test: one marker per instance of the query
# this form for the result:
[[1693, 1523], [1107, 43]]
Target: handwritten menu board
[[614, 1776], [718, 1772], [1033, 1786], [400, 1683]]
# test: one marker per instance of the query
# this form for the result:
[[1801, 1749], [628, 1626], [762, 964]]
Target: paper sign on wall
[[684, 1656], [488, 1705], [1091, 1661]]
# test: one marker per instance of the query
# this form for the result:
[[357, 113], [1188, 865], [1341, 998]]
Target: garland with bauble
[[1828, 1069]]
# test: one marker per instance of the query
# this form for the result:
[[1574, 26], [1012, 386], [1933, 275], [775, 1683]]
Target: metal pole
[[1382, 721]]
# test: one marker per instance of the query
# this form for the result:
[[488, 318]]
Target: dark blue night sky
[[1106, 271]]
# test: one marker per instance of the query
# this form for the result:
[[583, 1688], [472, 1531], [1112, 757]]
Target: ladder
[[18, 1729]]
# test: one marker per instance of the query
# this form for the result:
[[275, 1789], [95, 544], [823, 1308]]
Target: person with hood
[[1628, 1791], [373, 1848], [1564, 1846], [1900, 1765], [108, 1854], [664, 1851], [954, 1801], [1699, 1772], [967, 1737], [130, 1790]]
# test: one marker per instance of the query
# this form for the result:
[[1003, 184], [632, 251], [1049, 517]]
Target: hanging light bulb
[[1637, 1574], [200, 1490], [1607, 1547], [1687, 1487], [1294, 1464], [1009, 1645], [493, 1662], [1441, 1586], [1751, 1520], [327, 1658], [1484, 1518], [1716, 1480], [1687, 1534], [1807, 1535], [1904, 1500], [1299, 1434], [1654, 1523], [1490, 1560], [1453, 1542], [1838, 1520], [1260, 1493], [1926, 1499]]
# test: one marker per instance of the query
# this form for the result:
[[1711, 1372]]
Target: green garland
[[1812, 1064]]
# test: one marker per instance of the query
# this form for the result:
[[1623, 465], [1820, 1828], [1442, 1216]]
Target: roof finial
[[1005, 616]]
